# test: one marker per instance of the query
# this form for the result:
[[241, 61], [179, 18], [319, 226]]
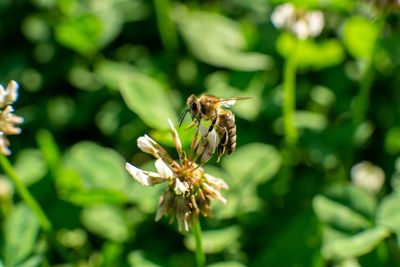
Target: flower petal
[[163, 169], [11, 92], [139, 175], [180, 188], [175, 136]]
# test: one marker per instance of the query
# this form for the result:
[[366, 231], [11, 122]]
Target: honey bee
[[208, 108]]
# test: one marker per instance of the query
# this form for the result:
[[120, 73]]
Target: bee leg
[[213, 122], [190, 125]]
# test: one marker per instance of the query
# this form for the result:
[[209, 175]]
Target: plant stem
[[200, 256], [25, 194], [361, 100], [289, 97]]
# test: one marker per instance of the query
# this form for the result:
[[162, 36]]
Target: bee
[[208, 108]]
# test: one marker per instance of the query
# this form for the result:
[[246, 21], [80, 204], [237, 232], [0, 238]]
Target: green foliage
[[96, 75]]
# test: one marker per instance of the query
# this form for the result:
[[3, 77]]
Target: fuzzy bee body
[[208, 108]]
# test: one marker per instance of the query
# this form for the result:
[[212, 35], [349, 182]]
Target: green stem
[[166, 26], [289, 98], [361, 100], [200, 256], [25, 194]]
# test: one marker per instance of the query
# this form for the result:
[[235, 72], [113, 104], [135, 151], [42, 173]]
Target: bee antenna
[[183, 116]]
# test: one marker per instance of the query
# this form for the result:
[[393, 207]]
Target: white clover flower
[[302, 23], [8, 120], [368, 176], [189, 189]]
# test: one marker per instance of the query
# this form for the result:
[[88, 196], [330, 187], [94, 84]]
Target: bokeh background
[[96, 75]]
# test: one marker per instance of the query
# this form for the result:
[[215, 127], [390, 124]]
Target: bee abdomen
[[231, 145]]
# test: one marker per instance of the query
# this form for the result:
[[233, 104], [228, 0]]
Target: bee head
[[193, 106]]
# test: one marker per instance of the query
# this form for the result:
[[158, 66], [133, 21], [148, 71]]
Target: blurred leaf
[[392, 140], [215, 241], [356, 245], [226, 264], [388, 212], [144, 95], [254, 163], [310, 120], [338, 5], [81, 34], [111, 253], [356, 29], [106, 221], [338, 215], [300, 229], [34, 261], [20, 235], [326, 53], [30, 166], [219, 41], [49, 149], [98, 167], [95, 197], [136, 258]]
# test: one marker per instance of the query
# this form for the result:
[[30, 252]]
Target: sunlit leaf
[[81, 34], [144, 95], [338, 215], [219, 41], [106, 221], [356, 245], [137, 258], [98, 167], [227, 264], [30, 166], [337, 5], [310, 53], [388, 212], [215, 241], [253, 163], [357, 29], [20, 235], [34, 261], [392, 140]]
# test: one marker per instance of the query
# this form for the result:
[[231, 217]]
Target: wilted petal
[[213, 193], [139, 175], [11, 92], [175, 136], [215, 182], [163, 169], [180, 188], [3, 145]]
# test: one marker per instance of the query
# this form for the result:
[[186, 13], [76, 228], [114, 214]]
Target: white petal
[[180, 187], [163, 169], [213, 140], [145, 143], [138, 174], [2, 94], [12, 92], [203, 130]]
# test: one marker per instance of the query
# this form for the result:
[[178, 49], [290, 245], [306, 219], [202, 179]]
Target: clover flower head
[[368, 176], [8, 120], [302, 23], [189, 189]]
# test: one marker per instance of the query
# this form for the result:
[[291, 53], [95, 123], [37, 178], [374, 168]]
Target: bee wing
[[227, 102]]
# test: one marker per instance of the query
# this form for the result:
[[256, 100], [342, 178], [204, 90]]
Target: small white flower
[[315, 22], [139, 175], [180, 188], [368, 176], [163, 169], [282, 15], [4, 145], [11, 92]]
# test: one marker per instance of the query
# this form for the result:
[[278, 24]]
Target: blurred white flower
[[300, 22], [10, 94], [368, 176]]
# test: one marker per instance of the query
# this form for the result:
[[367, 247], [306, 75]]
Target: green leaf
[[137, 258], [254, 163], [338, 215], [98, 167], [215, 241], [388, 212], [145, 96], [30, 166], [49, 149], [21, 229], [319, 55], [81, 34], [227, 264], [34, 261], [359, 36], [219, 41], [392, 140], [356, 245], [106, 221]]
